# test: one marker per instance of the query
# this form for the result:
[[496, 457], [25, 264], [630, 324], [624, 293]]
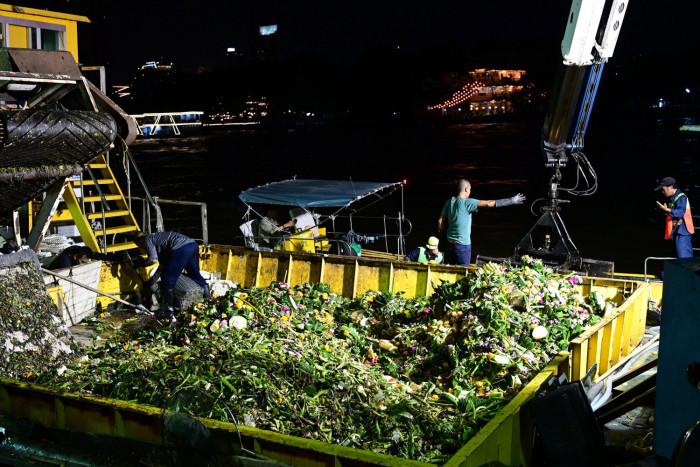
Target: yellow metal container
[[310, 241], [347, 276], [507, 438], [617, 334], [501, 439], [56, 293]]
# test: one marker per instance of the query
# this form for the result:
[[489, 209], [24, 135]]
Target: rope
[[55, 243], [159, 219]]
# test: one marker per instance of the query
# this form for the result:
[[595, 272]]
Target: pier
[[150, 124]]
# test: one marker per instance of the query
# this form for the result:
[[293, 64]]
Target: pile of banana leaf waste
[[32, 336], [410, 377]]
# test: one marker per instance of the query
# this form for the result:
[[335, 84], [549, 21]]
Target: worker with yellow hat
[[428, 253]]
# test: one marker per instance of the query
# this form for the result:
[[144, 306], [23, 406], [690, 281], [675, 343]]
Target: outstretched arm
[[286, 225], [498, 203]]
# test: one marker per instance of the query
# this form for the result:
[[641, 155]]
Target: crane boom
[[589, 41]]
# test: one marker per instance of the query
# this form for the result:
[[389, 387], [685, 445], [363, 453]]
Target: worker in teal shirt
[[456, 219]]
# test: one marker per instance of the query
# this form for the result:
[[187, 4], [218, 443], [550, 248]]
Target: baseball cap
[[666, 181]]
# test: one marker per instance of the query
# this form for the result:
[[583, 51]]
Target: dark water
[[618, 223]]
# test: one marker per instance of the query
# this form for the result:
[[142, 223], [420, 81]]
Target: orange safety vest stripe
[[687, 218]]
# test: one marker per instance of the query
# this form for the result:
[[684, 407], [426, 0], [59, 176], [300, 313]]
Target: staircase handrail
[[103, 203], [130, 157]]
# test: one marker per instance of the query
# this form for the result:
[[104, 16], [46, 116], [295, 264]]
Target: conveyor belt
[[40, 146]]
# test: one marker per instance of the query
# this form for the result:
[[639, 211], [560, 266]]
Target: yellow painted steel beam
[[355, 273], [96, 198], [113, 213], [606, 343], [258, 270], [428, 284], [391, 278], [86, 233], [322, 273], [227, 271], [100, 181], [62, 215], [117, 229], [579, 359]]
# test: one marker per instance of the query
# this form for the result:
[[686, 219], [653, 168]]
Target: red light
[[404, 181]]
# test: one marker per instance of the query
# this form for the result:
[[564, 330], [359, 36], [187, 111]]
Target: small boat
[[326, 217]]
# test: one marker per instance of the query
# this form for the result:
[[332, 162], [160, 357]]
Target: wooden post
[[16, 227]]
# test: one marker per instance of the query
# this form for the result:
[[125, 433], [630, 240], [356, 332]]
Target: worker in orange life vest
[[679, 221]]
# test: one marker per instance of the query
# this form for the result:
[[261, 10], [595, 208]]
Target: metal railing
[[399, 220], [147, 221], [657, 258], [128, 163], [203, 211]]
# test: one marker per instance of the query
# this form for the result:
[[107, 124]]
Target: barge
[[507, 438]]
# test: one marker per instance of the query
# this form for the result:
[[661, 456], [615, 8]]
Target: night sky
[[657, 44]]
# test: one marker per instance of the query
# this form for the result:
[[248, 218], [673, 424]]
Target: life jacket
[[687, 217], [423, 257]]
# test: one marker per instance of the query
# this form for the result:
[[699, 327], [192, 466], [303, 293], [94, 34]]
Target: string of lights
[[459, 97]]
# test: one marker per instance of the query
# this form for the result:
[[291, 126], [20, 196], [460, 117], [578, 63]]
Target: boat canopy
[[313, 193]]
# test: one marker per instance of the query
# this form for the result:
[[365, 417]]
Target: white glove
[[517, 199]]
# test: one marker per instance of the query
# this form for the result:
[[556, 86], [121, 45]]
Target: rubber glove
[[517, 199]]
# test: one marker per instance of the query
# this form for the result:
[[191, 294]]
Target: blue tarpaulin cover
[[312, 193]]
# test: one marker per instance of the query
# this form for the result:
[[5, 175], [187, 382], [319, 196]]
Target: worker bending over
[[174, 252], [456, 218], [72, 256]]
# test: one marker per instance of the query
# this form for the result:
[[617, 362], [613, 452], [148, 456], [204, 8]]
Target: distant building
[[497, 76], [234, 57], [153, 88], [268, 43], [497, 84], [482, 92]]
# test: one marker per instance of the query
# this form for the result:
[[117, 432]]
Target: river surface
[[618, 223]]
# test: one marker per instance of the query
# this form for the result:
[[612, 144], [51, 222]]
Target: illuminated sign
[[268, 30]]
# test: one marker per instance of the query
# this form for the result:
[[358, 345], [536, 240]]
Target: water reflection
[[618, 223]]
